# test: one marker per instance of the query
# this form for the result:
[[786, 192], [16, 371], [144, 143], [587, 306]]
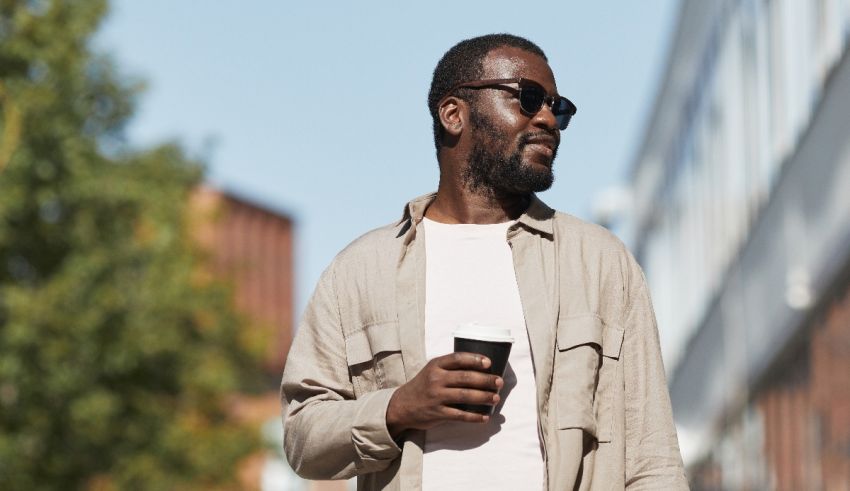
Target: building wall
[[736, 102], [250, 246], [742, 224], [795, 433]]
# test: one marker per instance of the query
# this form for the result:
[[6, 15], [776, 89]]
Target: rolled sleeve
[[328, 433], [369, 434]]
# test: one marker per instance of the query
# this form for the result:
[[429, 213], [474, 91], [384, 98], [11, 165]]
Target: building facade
[[250, 246], [741, 220]]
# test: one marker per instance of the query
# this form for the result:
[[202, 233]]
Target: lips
[[543, 144]]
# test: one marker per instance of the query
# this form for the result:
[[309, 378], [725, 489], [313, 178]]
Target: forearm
[[338, 439], [329, 432]]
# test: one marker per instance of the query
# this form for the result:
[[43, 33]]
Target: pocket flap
[[578, 330], [589, 329], [361, 346]]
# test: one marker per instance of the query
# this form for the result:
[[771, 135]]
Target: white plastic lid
[[484, 333]]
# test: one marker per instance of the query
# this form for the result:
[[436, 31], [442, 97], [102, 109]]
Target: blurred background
[[174, 176]]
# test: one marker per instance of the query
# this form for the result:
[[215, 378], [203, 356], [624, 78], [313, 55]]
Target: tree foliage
[[116, 355]]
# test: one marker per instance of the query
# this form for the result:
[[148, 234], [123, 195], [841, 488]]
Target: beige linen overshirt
[[603, 408]]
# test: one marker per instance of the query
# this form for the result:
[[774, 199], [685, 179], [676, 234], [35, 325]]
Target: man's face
[[512, 152]]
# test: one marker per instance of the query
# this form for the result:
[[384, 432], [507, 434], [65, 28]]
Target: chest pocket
[[585, 371], [374, 358]]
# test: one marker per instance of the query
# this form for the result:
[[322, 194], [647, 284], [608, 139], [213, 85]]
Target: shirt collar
[[538, 216]]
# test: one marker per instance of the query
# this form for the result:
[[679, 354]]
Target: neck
[[459, 204]]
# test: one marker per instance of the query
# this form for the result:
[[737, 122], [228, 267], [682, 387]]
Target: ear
[[452, 113]]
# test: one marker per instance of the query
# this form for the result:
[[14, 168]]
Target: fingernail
[[499, 382], [485, 362], [496, 399]]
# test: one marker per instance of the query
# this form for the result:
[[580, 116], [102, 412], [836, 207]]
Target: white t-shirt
[[469, 277]]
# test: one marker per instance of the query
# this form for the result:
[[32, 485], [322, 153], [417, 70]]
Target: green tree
[[116, 355]]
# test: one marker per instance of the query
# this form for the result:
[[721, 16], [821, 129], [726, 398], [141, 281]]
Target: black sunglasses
[[531, 97]]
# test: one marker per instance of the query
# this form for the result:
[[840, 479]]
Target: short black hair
[[464, 63]]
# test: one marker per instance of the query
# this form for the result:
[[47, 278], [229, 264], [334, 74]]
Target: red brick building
[[250, 245]]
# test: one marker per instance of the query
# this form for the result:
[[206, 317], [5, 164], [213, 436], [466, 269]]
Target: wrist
[[393, 419]]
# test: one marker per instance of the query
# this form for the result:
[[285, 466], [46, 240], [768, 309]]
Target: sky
[[318, 109]]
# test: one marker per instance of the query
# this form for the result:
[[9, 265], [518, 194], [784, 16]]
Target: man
[[370, 381]]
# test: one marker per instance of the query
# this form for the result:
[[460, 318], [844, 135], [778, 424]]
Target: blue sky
[[319, 108]]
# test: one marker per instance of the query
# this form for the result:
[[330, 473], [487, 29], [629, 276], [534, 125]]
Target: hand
[[424, 401]]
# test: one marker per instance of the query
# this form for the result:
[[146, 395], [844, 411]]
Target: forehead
[[510, 62]]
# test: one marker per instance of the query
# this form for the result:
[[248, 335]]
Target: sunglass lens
[[563, 110], [531, 99], [563, 106]]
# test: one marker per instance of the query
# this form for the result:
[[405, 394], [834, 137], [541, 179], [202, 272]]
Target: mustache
[[527, 138]]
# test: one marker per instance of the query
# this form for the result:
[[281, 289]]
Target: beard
[[492, 168]]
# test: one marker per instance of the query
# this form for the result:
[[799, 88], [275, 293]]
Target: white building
[[741, 220]]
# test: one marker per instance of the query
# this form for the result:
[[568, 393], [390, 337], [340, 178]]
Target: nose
[[545, 118]]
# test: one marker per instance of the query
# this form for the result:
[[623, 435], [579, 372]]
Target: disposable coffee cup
[[494, 343]]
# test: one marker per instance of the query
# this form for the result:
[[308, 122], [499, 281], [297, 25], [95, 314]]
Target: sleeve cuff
[[372, 441]]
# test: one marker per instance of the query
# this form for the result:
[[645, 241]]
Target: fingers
[[455, 414], [473, 379], [427, 400], [469, 396], [461, 361]]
